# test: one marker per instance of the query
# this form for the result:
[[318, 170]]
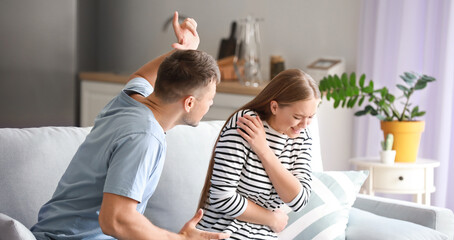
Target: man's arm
[[119, 218], [187, 38]]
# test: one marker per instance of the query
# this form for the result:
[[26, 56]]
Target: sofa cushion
[[441, 219], [188, 153], [375, 227], [326, 214], [11, 229], [32, 162]]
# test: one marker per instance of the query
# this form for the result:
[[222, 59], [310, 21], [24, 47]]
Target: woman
[[261, 160]]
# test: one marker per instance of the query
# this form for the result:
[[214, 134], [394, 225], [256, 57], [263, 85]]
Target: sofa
[[32, 160]]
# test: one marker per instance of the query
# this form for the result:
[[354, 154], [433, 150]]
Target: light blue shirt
[[123, 154]]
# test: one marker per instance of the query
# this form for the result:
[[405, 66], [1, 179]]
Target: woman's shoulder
[[246, 112], [232, 122]]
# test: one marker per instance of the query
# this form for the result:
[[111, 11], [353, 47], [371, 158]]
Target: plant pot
[[388, 156], [407, 135]]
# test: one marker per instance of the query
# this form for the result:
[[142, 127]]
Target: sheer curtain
[[396, 36]]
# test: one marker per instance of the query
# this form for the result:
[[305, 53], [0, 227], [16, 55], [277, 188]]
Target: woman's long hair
[[287, 87]]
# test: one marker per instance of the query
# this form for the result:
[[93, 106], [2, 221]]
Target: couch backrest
[[188, 153], [32, 161]]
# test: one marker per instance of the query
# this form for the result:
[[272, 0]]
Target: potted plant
[[347, 92], [387, 155]]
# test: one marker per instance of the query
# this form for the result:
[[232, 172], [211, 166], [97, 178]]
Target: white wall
[[336, 136], [130, 33]]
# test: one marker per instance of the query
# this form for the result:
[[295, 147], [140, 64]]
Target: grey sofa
[[32, 161]]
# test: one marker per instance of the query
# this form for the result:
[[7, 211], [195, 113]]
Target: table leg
[[418, 198]]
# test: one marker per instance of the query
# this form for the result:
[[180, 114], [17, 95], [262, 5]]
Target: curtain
[[397, 36]]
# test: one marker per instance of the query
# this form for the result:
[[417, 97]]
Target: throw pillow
[[12, 229], [326, 214], [375, 227]]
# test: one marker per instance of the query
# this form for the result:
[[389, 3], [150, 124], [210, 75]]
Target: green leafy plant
[[346, 91]]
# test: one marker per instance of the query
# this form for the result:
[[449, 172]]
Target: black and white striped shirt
[[238, 175]]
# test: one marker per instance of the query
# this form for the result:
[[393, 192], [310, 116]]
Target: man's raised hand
[[186, 33]]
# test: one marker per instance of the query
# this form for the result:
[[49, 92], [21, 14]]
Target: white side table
[[399, 178]]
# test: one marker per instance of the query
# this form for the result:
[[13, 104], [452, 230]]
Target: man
[[105, 189]]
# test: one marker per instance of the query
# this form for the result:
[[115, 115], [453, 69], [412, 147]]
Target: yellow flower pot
[[407, 135]]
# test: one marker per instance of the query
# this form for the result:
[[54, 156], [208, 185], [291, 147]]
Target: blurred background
[[44, 44]]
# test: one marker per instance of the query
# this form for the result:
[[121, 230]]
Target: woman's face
[[293, 118]]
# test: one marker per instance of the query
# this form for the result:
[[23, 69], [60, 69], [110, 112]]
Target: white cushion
[[11, 229], [32, 161], [188, 155], [326, 214], [375, 227]]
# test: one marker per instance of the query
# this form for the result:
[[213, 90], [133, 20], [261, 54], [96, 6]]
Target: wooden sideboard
[[98, 88]]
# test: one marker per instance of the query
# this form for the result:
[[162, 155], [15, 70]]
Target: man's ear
[[273, 107], [188, 103]]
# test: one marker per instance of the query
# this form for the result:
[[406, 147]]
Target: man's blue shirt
[[123, 154]]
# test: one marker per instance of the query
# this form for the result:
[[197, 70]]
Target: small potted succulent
[[347, 92], [387, 155]]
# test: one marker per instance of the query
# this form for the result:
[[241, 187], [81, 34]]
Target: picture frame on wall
[[324, 63], [325, 66]]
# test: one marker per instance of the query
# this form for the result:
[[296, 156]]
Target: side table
[[399, 178]]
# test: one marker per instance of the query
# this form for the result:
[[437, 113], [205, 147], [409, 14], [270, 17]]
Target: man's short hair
[[184, 72]]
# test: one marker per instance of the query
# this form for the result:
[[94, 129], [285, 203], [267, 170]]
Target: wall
[[45, 43], [87, 28], [37, 63], [131, 33], [298, 30]]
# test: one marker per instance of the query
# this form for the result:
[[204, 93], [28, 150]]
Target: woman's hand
[[280, 220], [186, 33], [254, 134]]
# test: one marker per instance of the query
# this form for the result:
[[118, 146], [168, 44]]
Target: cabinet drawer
[[399, 179]]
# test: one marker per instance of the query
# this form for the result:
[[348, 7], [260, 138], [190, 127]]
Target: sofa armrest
[[440, 219]]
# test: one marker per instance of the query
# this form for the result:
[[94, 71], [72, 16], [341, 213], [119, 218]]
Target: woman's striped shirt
[[238, 175]]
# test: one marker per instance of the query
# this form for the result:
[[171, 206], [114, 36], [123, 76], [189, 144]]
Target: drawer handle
[[401, 178]]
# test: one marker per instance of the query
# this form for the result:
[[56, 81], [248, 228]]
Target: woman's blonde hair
[[287, 87]]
